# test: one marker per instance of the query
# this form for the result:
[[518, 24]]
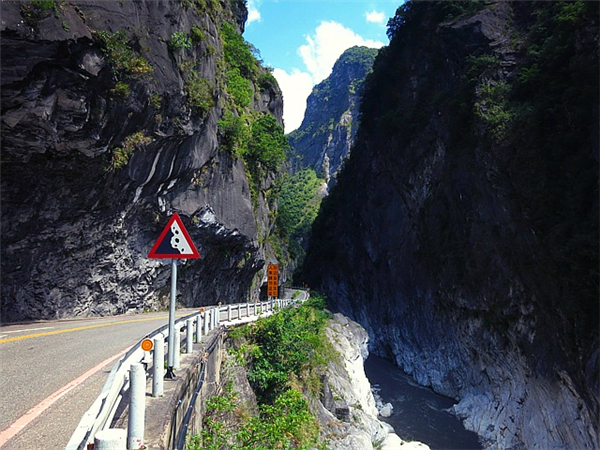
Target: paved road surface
[[39, 359]]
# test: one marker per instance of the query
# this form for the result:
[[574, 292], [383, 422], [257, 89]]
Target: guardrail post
[[158, 366], [198, 328], [189, 336], [137, 406], [177, 348], [217, 316], [205, 319], [110, 439], [229, 313]]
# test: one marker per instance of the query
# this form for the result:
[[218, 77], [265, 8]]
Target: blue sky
[[302, 39]]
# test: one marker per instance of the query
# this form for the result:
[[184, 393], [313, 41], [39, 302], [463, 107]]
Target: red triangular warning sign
[[174, 242]]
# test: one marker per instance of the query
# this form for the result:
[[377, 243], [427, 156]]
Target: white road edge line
[[28, 329], [37, 410]]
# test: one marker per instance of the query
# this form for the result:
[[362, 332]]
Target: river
[[419, 414]]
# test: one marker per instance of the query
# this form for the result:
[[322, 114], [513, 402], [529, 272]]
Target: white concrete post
[[218, 316], [137, 406], [229, 313], [205, 318], [177, 348], [158, 366], [189, 336], [198, 328], [247, 309], [111, 439]]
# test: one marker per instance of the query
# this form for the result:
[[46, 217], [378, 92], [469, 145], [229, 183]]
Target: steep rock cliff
[[110, 123], [463, 232], [323, 141]]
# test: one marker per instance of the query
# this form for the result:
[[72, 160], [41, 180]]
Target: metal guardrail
[[100, 415]]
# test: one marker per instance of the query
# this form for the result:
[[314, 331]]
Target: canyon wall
[[463, 231]]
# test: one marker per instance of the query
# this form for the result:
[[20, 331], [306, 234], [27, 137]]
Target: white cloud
[[295, 87], [327, 44], [253, 12], [375, 17]]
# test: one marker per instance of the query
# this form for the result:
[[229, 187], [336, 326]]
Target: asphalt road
[[40, 359]]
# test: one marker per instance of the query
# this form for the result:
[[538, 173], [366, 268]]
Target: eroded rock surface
[[75, 230]]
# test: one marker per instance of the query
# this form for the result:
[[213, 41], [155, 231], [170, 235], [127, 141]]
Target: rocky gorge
[[114, 116], [463, 232]]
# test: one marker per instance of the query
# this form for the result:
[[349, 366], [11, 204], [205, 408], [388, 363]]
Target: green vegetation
[[285, 347], [282, 352], [287, 424], [239, 88], [237, 52], [299, 202], [36, 10], [179, 41], [123, 59], [233, 133], [255, 137], [197, 34], [493, 108], [212, 7], [120, 155], [200, 93], [267, 145], [121, 91]]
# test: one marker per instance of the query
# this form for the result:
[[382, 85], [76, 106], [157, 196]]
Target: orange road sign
[[273, 280]]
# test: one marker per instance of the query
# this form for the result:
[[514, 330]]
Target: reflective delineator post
[[189, 336], [137, 406], [171, 363], [158, 363]]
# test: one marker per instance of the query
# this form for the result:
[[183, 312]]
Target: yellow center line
[[87, 327]]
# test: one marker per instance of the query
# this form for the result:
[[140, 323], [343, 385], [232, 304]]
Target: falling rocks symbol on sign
[[174, 242]]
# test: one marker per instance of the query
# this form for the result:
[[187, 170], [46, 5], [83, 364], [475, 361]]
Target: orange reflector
[[147, 345]]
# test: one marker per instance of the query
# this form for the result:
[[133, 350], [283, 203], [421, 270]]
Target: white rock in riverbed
[[387, 410], [349, 385]]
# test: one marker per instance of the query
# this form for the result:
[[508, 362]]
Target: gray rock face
[[446, 236], [75, 234]]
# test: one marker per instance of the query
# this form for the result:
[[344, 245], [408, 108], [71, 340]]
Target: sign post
[[273, 280], [173, 243]]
